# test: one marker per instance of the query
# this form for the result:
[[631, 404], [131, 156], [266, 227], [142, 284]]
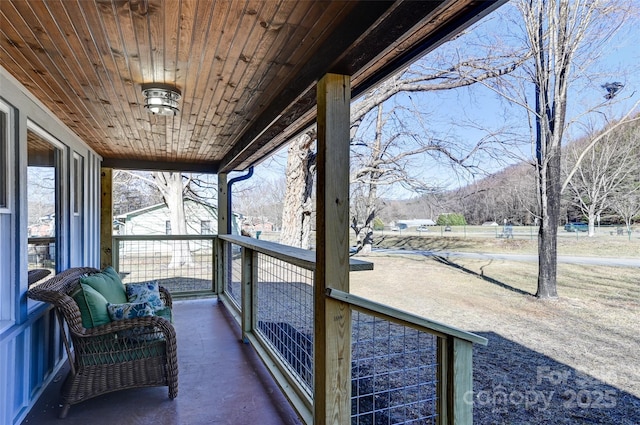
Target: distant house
[[256, 224], [43, 228], [202, 219]]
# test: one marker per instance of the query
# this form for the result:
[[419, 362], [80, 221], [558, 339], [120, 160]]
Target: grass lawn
[[570, 360]]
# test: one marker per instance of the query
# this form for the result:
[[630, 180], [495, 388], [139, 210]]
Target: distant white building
[[415, 222]]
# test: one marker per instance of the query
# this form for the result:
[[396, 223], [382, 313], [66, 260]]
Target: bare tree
[[172, 186], [603, 170], [564, 38], [626, 203], [377, 166], [133, 190]]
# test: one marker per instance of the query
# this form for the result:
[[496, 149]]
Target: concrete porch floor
[[220, 381]]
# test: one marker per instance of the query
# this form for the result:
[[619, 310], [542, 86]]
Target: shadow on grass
[[514, 384], [435, 243], [447, 262]]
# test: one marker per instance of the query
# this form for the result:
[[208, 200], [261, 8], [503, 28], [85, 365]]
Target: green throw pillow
[[93, 307], [108, 283]]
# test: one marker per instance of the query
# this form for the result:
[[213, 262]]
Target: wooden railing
[[269, 287]]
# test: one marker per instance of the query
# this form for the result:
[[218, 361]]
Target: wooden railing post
[[462, 373], [219, 260], [247, 281], [106, 217], [332, 318], [455, 381]]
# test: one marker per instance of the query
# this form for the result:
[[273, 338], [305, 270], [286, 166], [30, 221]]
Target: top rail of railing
[[300, 257], [403, 317]]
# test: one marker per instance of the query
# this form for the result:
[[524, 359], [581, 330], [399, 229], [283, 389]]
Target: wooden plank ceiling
[[246, 68]]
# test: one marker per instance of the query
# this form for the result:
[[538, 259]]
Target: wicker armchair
[[130, 353], [37, 274]]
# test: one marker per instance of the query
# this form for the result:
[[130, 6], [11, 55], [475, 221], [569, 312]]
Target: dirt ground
[[573, 360]]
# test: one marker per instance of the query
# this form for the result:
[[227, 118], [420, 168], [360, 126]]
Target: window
[[43, 199], [6, 244], [167, 226], [78, 188], [4, 156], [205, 227]]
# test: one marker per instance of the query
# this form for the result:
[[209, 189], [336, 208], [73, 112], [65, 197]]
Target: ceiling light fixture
[[161, 99]]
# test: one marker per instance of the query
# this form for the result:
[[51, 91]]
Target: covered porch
[[79, 81], [222, 380]]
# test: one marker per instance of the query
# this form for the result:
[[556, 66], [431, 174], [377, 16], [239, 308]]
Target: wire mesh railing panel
[[284, 315], [394, 373], [234, 273], [180, 265]]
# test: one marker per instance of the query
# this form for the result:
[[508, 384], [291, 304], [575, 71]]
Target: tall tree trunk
[[172, 189], [298, 204], [548, 233], [372, 189]]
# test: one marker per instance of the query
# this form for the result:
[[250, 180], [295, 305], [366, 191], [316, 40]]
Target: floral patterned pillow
[[129, 310], [132, 311], [146, 292]]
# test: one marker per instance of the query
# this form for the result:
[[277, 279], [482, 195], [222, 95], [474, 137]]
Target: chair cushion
[[108, 283], [92, 305], [145, 292], [165, 312]]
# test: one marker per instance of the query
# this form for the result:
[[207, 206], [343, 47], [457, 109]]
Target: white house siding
[[152, 220], [30, 347]]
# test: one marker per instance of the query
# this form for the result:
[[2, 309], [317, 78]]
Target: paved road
[[594, 261]]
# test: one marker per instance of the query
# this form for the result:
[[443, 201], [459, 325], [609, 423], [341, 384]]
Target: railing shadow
[[447, 262], [516, 385]]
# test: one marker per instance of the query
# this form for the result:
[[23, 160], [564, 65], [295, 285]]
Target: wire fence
[[394, 366], [569, 231], [284, 314], [181, 264], [234, 273], [394, 373]]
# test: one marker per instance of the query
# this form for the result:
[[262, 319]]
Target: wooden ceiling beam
[[289, 104], [349, 50], [138, 164]]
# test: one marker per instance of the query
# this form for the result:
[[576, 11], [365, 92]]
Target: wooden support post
[[222, 204], [455, 381], [106, 217], [461, 374], [332, 325]]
